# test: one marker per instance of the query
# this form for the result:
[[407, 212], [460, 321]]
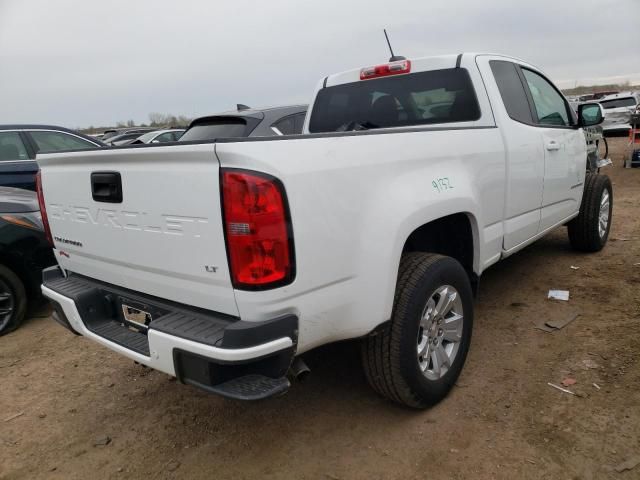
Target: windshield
[[618, 102], [211, 129], [437, 96]]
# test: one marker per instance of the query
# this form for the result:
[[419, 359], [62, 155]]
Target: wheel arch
[[455, 235]]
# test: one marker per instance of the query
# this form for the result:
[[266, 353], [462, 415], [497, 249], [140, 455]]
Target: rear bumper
[[199, 347]]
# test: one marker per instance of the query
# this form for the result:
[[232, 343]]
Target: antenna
[[393, 58]]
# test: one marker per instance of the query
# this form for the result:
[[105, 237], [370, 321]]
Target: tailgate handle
[[106, 187]]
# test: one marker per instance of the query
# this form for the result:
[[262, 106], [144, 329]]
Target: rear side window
[[58, 141], [165, 137], [618, 102], [424, 98], [511, 90], [291, 125], [216, 128], [12, 147]]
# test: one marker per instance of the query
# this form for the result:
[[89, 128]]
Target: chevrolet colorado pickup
[[221, 262]]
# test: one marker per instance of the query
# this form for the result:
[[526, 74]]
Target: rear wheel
[[416, 358], [589, 231], [13, 300]]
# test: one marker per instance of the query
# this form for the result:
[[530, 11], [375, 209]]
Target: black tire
[[13, 301], [390, 355], [584, 231]]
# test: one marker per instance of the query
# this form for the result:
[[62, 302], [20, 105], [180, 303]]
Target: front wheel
[[589, 231], [416, 358]]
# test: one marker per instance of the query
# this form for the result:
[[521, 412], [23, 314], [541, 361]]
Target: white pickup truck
[[222, 262]]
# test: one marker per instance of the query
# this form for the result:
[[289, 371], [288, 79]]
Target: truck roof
[[418, 64]]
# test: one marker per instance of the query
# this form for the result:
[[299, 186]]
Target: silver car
[[618, 109]]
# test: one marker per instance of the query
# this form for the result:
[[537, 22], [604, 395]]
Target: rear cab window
[[415, 99]]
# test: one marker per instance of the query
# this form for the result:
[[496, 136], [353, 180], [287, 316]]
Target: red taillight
[[257, 230], [393, 68], [43, 208]]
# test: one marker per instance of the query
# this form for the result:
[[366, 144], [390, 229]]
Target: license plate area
[[137, 315]]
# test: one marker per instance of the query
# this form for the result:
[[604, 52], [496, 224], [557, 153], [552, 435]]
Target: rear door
[[564, 150], [147, 219]]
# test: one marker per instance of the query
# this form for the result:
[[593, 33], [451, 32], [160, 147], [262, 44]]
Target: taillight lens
[[384, 70], [257, 228], [43, 208]]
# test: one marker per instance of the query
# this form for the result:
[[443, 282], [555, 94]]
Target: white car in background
[[159, 136], [618, 109]]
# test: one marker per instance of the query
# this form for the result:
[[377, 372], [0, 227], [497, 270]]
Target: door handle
[[553, 145], [106, 187]]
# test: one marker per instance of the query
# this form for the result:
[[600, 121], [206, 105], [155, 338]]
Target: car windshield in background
[[437, 96], [618, 102], [216, 128]]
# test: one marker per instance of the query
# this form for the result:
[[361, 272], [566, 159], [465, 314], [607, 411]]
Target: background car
[[618, 109], [109, 134], [122, 139], [248, 122], [24, 253], [159, 136], [20, 143]]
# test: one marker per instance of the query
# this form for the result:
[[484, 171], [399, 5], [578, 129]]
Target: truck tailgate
[[163, 238]]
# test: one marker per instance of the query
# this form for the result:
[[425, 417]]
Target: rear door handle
[[553, 145], [106, 187]]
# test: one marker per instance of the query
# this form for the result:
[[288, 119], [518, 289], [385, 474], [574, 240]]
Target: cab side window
[[12, 147], [550, 106], [511, 90]]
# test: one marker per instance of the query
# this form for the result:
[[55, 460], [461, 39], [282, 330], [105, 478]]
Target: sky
[[87, 62]]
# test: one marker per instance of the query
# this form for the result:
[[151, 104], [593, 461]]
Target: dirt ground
[[61, 395]]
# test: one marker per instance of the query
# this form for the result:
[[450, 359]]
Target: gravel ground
[[72, 409]]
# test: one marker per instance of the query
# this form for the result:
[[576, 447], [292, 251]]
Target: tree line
[[156, 119]]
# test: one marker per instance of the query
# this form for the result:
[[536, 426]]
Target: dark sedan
[[19, 145], [24, 253]]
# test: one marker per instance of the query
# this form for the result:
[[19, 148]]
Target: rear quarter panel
[[354, 201]]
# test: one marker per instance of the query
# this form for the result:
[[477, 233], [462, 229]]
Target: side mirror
[[590, 114]]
